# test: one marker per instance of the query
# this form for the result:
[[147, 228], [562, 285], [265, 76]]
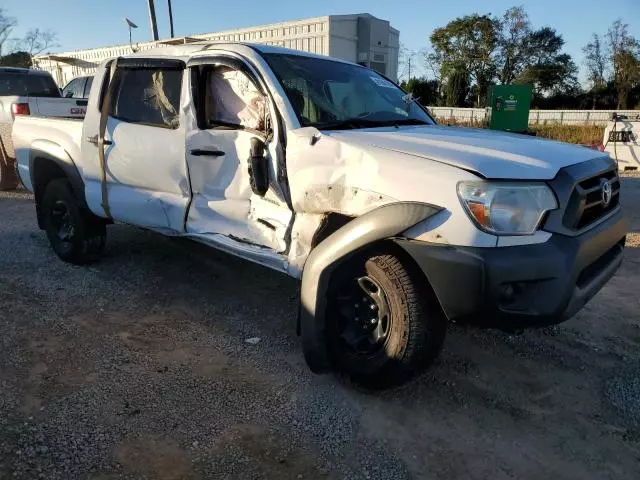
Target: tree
[[596, 62], [465, 46], [16, 59], [513, 50], [426, 91], [624, 52], [457, 88], [406, 63], [628, 75], [552, 77], [547, 69], [36, 41], [7, 24]]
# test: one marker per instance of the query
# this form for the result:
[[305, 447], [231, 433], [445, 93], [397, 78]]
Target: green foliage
[[426, 91], [471, 53], [457, 89], [595, 60], [16, 59], [463, 50]]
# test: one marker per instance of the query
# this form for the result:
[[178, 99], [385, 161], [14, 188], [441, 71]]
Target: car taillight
[[20, 109]]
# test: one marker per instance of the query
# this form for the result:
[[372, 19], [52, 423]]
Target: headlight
[[507, 208]]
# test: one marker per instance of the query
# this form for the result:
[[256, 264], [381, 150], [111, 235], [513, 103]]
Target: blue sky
[[94, 23]]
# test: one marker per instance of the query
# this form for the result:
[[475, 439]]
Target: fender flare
[[379, 224], [37, 157]]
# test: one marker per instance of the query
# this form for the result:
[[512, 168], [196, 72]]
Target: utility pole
[[170, 19], [152, 17]]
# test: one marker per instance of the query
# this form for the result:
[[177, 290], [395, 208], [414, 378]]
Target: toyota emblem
[[607, 193]]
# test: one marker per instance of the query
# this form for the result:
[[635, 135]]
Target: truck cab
[[327, 171]]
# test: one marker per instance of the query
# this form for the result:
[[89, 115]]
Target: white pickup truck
[[329, 172], [28, 92]]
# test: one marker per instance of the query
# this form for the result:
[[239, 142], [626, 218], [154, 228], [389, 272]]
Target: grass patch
[[580, 134]]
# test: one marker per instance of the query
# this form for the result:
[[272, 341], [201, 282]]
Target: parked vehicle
[[79, 87], [622, 141], [27, 92], [327, 171]]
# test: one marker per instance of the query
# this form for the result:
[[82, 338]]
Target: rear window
[[27, 85]]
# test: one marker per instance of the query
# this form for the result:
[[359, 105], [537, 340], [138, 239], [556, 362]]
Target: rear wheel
[[385, 325], [77, 236]]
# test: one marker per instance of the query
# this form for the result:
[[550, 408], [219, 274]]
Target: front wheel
[[77, 236], [385, 325]]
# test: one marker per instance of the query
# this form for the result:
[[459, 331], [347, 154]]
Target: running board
[[254, 253]]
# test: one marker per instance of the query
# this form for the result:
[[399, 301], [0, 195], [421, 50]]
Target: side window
[[87, 87], [149, 96], [74, 88], [233, 100]]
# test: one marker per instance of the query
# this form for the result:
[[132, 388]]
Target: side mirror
[[69, 94], [258, 167]]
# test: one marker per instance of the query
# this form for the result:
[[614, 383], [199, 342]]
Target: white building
[[359, 38]]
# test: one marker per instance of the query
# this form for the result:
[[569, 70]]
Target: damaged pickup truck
[[327, 171]]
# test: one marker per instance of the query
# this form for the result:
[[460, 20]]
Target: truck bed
[[28, 135]]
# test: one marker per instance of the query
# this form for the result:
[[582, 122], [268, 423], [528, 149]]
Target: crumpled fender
[[381, 223]]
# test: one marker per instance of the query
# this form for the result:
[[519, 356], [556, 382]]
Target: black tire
[[8, 176], [415, 326], [77, 236]]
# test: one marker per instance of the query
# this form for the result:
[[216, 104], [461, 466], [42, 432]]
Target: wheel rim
[[61, 222], [364, 317]]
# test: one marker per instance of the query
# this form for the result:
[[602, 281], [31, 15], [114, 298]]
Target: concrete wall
[[564, 117], [343, 35]]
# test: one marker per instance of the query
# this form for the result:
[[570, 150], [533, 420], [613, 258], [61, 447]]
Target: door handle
[[94, 140], [82, 103], [198, 152]]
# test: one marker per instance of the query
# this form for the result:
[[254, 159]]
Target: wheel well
[[330, 223], [44, 170]]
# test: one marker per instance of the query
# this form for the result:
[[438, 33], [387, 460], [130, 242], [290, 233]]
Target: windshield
[[329, 94], [27, 85]]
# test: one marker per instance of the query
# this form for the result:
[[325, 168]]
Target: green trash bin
[[509, 107]]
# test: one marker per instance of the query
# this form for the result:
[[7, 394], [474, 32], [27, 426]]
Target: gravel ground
[[138, 367]]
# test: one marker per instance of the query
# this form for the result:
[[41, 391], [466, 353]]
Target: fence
[[563, 117]]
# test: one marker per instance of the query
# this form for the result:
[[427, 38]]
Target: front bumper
[[522, 286]]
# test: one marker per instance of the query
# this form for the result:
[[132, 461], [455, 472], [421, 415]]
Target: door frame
[[274, 137], [107, 89], [239, 62]]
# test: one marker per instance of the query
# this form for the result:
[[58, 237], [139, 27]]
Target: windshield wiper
[[348, 124], [407, 121], [354, 123]]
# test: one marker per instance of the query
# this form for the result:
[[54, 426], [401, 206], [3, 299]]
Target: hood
[[493, 155]]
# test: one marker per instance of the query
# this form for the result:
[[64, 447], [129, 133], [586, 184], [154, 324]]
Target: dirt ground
[[138, 367]]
